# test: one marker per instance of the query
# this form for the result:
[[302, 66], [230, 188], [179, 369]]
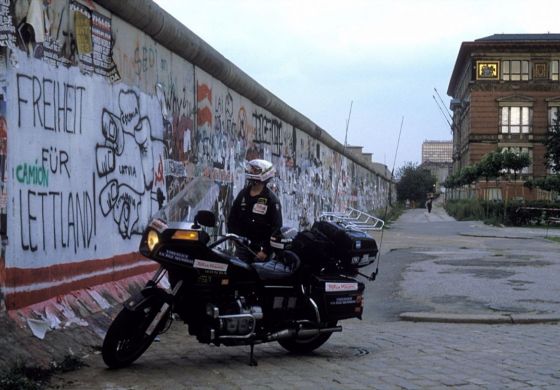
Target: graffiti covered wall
[[101, 127]]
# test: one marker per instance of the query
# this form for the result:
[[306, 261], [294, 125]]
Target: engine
[[236, 322]]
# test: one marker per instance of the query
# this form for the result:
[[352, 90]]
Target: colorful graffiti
[[92, 158]]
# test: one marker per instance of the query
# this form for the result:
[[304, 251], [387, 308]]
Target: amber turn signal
[[188, 235]]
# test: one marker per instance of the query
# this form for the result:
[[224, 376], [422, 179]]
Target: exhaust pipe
[[316, 332], [291, 333]]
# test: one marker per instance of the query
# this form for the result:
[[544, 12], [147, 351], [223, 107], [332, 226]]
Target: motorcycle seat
[[276, 268]]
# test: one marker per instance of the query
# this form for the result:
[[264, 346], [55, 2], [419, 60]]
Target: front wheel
[[304, 345], [132, 332]]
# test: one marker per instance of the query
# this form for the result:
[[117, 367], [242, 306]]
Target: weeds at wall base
[[391, 214], [23, 377]]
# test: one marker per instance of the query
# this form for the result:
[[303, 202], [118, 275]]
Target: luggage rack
[[354, 219]]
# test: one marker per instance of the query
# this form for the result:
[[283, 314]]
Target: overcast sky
[[385, 56]]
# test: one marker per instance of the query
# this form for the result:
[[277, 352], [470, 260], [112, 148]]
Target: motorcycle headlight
[[152, 240]]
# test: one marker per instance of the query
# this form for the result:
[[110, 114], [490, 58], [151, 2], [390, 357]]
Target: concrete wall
[[102, 125]]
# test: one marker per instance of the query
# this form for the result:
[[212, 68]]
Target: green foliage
[[515, 162], [491, 166], [547, 183], [469, 174], [415, 183], [391, 214], [465, 209], [514, 213]]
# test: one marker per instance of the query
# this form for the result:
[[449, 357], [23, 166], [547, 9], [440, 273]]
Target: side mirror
[[205, 218]]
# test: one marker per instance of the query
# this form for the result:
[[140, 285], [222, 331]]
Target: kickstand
[[252, 360]]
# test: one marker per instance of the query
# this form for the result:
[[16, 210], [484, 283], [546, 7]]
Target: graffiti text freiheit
[[50, 104]]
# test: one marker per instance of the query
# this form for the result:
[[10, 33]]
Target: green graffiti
[[32, 174]]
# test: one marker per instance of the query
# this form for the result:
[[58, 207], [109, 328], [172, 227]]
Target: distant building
[[437, 152], [505, 91], [437, 157]]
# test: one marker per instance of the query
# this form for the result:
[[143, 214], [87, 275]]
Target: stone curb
[[479, 318], [494, 236]]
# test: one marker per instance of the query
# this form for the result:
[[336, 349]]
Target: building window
[[554, 67], [516, 120], [553, 120], [515, 70], [553, 116], [518, 150]]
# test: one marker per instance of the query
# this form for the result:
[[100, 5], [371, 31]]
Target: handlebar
[[230, 237], [243, 241]]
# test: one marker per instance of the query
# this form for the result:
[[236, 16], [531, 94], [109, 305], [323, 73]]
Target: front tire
[[126, 338], [305, 345]]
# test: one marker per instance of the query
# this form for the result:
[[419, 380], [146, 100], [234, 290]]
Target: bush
[[515, 213], [465, 210]]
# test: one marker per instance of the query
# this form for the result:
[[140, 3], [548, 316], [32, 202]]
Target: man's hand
[[261, 256]]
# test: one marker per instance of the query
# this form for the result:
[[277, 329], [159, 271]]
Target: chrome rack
[[354, 219]]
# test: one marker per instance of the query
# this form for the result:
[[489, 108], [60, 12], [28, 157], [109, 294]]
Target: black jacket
[[255, 217]]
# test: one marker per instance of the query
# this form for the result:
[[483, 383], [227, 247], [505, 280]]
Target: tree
[[552, 144], [468, 174], [415, 183], [451, 181], [515, 162], [490, 166]]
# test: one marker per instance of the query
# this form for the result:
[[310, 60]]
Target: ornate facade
[[505, 92]]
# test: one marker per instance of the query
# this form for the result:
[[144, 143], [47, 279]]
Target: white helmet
[[259, 170]]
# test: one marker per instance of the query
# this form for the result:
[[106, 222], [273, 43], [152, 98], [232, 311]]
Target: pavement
[[506, 275], [455, 305], [394, 355]]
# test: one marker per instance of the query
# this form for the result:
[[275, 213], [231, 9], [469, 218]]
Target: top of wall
[[169, 32]]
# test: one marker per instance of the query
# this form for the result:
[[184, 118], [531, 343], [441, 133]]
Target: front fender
[[148, 297]]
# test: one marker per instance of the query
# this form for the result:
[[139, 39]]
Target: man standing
[[256, 212]]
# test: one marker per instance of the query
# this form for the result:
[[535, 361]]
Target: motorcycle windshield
[[200, 193]]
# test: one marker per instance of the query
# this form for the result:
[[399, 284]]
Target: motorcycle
[[296, 298]]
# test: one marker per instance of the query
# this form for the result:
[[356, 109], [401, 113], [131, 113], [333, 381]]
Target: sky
[[385, 59]]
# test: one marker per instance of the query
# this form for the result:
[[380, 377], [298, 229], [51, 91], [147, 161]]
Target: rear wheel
[[131, 333], [302, 345]]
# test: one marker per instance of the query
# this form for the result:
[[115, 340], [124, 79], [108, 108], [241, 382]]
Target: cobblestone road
[[381, 352], [391, 355]]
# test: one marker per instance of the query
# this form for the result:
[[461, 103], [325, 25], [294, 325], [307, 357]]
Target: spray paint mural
[[106, 127]]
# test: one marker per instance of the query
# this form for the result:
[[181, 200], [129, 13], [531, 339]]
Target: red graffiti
[[159, 171], [204, 92], [204, 116]]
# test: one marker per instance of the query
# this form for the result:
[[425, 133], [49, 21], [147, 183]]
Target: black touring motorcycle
[[295, 298]]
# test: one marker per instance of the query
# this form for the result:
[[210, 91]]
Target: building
[[505, 92], [437, 157], [437, 152]]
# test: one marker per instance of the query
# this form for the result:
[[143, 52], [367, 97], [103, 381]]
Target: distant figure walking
[[429, 204]]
